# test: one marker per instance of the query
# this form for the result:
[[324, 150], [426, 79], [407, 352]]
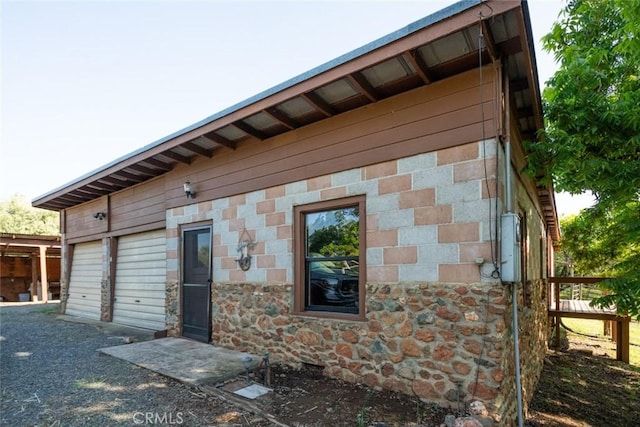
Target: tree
[[598, 243], [17, 216], [340, 238], [591, 140]]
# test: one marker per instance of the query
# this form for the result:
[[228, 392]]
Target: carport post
[[43, 274]]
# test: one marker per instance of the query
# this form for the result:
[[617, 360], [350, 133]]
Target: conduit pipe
[[514, 291]]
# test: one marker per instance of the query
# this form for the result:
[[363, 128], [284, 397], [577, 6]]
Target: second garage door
[[139, 298]]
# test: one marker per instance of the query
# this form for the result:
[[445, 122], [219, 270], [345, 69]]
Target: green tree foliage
[[592, 138], [17, 216], [606, 243], [339, 239]]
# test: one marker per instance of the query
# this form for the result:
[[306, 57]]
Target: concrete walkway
[[188, 361]]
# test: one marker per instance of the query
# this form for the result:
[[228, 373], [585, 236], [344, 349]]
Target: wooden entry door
[[196, 285]]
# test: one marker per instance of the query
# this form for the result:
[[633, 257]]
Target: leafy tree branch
[[591, 140]]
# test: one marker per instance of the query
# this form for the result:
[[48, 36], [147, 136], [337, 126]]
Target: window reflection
[[332, 251]]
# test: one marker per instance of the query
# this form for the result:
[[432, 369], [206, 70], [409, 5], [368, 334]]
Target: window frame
[[299, 239]]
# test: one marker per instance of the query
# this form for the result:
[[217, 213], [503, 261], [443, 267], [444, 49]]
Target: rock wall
[[532, 326], [439, 341]]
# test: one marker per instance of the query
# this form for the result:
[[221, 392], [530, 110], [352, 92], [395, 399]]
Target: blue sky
[[85, 82]]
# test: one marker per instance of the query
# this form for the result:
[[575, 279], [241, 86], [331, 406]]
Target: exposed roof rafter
[[130, 176], [318, 103], [178, 157], [363, 86], [282, 118], [510, 46], [113, 180], [518, 85], [166, 167], [489, 44], [94, 190], [145, 170], [250, 130], [418, 64], [219, 139], [72, 198], [196, 149]]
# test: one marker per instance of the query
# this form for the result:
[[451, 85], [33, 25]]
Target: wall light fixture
[[188, 191]]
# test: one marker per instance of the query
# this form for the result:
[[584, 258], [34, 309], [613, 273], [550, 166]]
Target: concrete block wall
[[427, 219], [437, 323]]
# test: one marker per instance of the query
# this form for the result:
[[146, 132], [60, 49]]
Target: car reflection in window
[[334, 283]]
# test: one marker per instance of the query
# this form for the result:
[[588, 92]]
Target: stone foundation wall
[[532, 325], [173, 320], [105, 301], [432, 340], [105, 284]]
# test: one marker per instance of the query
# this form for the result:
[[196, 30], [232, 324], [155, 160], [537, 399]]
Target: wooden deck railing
[[580, 308]]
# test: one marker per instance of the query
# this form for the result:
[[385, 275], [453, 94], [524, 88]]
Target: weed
[[362, 413]]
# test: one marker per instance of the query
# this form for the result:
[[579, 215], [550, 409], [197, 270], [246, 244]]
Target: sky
[[86, 82]]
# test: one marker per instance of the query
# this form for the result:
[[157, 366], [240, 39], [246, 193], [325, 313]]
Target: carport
[[30, 267]]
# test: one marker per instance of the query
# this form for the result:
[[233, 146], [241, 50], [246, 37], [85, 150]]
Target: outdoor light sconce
[[188, 191], [244, 257], [100, 215]]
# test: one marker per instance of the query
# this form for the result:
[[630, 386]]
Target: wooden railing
[[580, 308]]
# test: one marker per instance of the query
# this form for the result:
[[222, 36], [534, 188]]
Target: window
[[330, 261]]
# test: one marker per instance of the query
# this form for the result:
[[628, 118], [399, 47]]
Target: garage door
[[140, 280], [84, 284]]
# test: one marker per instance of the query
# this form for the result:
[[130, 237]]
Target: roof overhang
[[12, 244], [431, 49]]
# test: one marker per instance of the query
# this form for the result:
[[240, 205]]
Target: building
[[350, 217]]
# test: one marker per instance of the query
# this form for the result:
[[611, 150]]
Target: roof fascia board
[[431, 27]]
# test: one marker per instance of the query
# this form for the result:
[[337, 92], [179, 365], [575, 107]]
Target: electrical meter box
[[511, 247]]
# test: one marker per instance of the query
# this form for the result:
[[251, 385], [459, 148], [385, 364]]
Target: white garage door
[[141, 268], [84, 284]]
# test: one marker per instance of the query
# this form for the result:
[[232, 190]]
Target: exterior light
[[188, 191]]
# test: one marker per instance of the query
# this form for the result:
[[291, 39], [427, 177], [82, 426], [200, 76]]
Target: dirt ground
[[47, 379], [582, 386], [579, 387], [305, 397]]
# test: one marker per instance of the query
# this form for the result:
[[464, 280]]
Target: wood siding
[[441, 115], [141, 206], [79, 220], [136, 209]]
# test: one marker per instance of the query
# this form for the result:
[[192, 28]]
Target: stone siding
[[105, 284], [429, 339], [438, 325], [533, 324]]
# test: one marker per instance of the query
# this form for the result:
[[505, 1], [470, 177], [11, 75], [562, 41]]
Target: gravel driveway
[[52, 375]]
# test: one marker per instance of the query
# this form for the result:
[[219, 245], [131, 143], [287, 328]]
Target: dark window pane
[[197, 255], [332, 285], [332, 250]]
